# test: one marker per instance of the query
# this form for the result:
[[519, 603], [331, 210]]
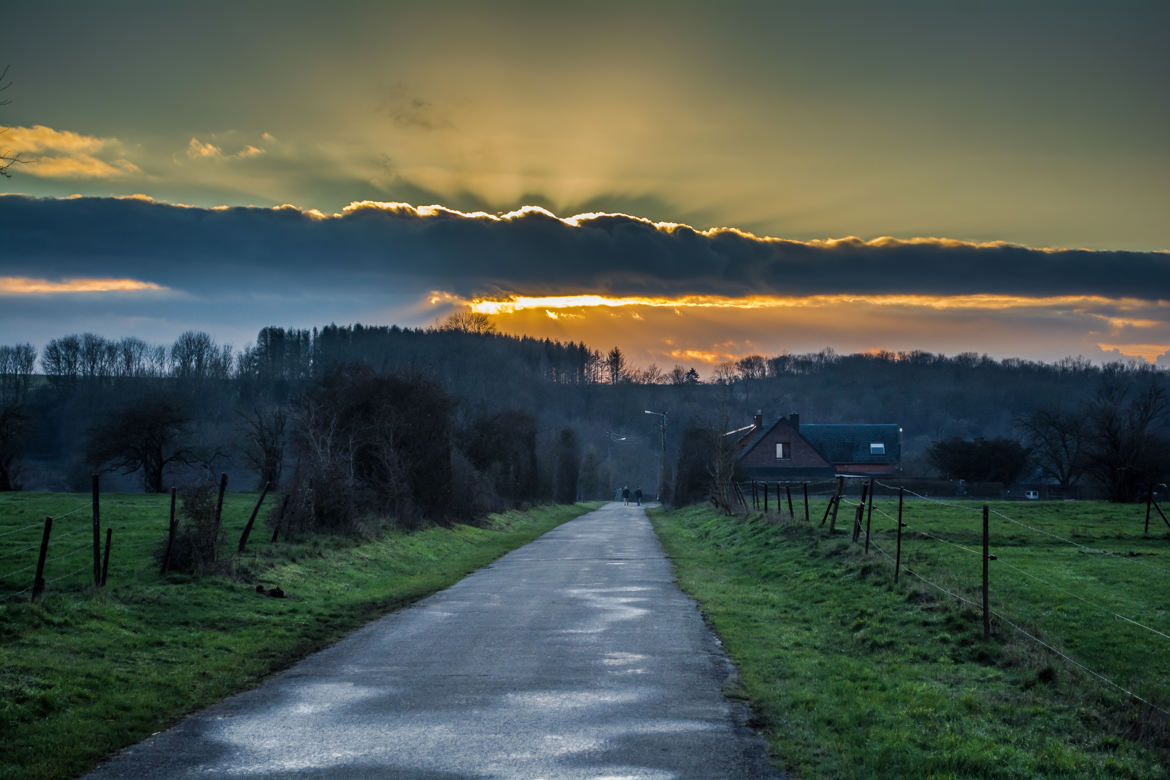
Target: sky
[[693, 182]]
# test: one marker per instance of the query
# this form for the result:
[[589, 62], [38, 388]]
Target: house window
[[877, 448], [783, 450]]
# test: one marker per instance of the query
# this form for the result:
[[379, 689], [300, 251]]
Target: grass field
[[852, 675], [83, 673]]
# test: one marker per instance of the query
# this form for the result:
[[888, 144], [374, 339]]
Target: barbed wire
[[1094, 550], [1046, 645], [70, 574], [72, 511], [1005, 564], [1000, 616], [13, 553], [1078, 664], [927, 498], [71, 554], [22, 528], [1101, 607], [11, 596], [21, 570]]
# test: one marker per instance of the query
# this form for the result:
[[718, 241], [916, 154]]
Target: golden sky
[[1037, 125]]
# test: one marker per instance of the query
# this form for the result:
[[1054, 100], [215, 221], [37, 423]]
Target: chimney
[[758, 420], [794, 420]]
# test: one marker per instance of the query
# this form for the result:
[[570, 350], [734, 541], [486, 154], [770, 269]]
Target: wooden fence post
[[765, 498], [1158, 509], [106, 557], [787, 492], [860, 512], [805, 486], [836, 504], [280, 517], [219, 503], [39, 581], [166, 562], [97, 533], [1149, 503], [986, 561], [898, 555], [869, 516], [252, 519]]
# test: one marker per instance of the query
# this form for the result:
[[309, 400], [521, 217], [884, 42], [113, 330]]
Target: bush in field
[[199, 533]]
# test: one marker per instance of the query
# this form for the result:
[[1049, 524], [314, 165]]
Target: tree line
[[516, 419]]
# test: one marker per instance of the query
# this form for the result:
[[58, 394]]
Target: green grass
[[851, 675], [84, 673]]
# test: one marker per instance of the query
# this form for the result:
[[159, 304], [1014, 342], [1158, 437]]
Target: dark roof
[[851, 443]]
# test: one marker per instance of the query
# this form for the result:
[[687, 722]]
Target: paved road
[[574, 656]]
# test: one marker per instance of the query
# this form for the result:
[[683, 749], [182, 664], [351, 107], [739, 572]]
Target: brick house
[[787, 450]]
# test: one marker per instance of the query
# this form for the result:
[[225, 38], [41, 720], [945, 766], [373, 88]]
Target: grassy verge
[[852, 675], [83, 674]]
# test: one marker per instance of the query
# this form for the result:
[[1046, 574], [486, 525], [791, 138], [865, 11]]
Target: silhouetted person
[[626, 495], [638, 496]]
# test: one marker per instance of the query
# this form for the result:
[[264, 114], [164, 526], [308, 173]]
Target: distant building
[[787, 450]]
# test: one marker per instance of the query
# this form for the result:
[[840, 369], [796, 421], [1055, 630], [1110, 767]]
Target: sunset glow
[[15, 285], [718, 181], [513, 304]]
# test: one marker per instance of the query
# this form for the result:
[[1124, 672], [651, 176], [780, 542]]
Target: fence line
[[1004, 564], [13, 553], [927, 498], [71, 512], [19, 530], [86, 567], [1080, 665], [1037, 640], [1066, 592], [12, 596], [8, 574], [1094, 550]]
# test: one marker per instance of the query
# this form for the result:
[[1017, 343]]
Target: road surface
[[574, 656]]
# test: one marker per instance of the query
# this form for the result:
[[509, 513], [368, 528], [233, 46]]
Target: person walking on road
[[626, 495], [638, 496]]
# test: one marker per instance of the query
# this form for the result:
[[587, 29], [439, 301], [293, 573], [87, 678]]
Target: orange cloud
[[205, 150], [20, 285], [518, 303], [1147, 352], [58, 154]]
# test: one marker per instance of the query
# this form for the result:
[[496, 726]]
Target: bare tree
[[149, 433], [1127, 449], [7, 159], [469, 322], [1058, 439], [264, 436]]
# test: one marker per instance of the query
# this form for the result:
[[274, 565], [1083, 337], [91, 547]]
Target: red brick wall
[[764, 453]]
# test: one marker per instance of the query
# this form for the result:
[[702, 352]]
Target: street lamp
[[662, 453], [610, 438]]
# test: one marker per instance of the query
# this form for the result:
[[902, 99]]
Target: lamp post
[[610, 438], [662, 453]]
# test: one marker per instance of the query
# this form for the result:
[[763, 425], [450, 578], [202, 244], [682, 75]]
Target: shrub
[[199, 534]]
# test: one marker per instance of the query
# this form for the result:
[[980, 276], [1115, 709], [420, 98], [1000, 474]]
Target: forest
[[453, 421]]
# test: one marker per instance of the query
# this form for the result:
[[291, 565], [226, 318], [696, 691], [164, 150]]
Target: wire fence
[[77, 548], [932, 530]]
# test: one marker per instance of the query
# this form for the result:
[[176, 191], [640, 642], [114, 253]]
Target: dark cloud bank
[[201, 250]]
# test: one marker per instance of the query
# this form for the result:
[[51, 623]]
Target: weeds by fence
[[1020, 577]]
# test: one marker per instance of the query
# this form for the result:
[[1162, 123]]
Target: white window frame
[[783, 450], [877, 448]]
